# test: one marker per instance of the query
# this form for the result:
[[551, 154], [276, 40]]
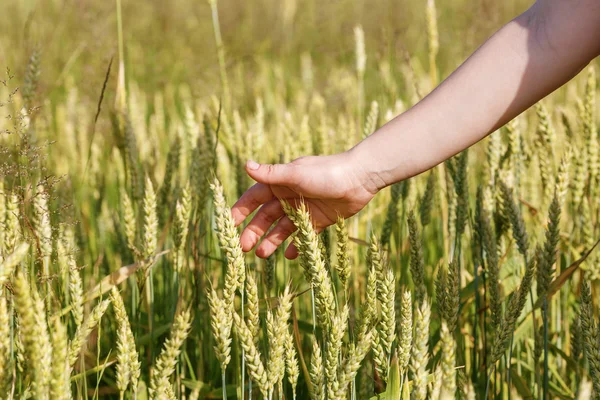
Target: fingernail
[[252, 164]]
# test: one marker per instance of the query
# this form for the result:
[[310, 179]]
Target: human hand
[[330, 186]]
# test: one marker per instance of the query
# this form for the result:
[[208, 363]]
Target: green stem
[[220, 54], [312, 299], [546, 375], [243, 352], [489, 378], [512, 336]]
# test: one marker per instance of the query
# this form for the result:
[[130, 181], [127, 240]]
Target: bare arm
[[524, 61], [528, 58]]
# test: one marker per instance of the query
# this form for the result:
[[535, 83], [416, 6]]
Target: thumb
[[271, 174]]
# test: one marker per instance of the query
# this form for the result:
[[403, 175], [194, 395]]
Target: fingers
[[272, 174], [284, 228], [291, 253], [260, 224], [253, 198]]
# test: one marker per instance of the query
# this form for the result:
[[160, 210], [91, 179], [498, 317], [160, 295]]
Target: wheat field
[[124, 133]]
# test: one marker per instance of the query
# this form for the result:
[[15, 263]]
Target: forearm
[[523, 62]]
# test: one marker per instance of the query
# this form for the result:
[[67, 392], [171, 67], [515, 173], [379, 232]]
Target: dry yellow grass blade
[[112, 280]]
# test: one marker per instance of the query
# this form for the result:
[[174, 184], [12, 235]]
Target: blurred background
[[172, 42]]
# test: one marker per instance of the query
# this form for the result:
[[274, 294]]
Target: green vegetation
[[124, 132]]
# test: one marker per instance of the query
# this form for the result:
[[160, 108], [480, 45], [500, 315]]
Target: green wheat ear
[[426, 202], [416, 258], [516, 219], [515, 307], [419, 355], [128, 364], [221, 322], [32, 77], [545, 268], [33, 334], [405, 331], [229, 240], [5, 347], [60, 382], [589, 328], [343, 257], [168, 357], [391, 216], [291, 363], [83, 331], [253, 359], [317, 373], [448, 361]]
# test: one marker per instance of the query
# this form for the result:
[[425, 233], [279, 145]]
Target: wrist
[[365, 166]]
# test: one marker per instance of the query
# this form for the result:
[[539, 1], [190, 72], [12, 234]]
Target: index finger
[[252, 198]]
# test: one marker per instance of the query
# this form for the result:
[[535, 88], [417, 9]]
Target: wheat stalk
[[255, 366], [167, 359], [335, 338], [75, 292], [150, 221], [343, 258], [183, 213], [516, 219], [60, 381], [419, 356], [308, 246], [369, 308], [83, 331], [291, 362], [252, 308], [277, 330], [355, 356], [589, 328], [11, 261], [515, 306], [426, 202], [448, 361], [432, 39], [317, 373], [406, 331], [129, 222], [372, 119], [2, 219], [221, 320], [42, 226], [31, 336], [6, 366], [128, 364], [416, 258], [12, 232], [229, 241], [387, 322]]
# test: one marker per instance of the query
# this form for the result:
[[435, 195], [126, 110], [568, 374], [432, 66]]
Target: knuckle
[[254, 230], [269, 169]]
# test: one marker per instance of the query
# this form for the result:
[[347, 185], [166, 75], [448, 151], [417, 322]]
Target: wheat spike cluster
[[124, 265]]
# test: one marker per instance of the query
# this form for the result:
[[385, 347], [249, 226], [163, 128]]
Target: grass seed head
[[416, 258], [83, 331], [167, 359], [419, 355], [221, 315], [343, 257], [255, 365], [60, 382], [5, 347]]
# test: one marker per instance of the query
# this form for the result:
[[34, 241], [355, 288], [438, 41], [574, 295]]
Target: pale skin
[[524, 61]]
